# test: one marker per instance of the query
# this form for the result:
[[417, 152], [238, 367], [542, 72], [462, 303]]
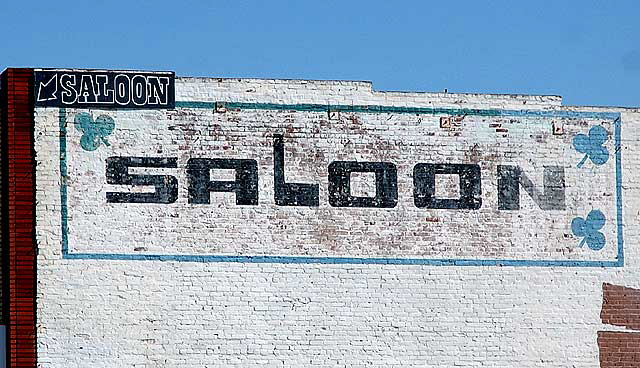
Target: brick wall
[[300, 278]]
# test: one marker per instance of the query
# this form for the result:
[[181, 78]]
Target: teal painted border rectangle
[[619, 262]]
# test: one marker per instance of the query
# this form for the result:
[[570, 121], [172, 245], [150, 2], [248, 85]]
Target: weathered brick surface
[[621, 306], [619, 349], [168, 312]]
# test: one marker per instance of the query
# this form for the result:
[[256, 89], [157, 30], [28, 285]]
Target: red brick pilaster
[[18, 217]]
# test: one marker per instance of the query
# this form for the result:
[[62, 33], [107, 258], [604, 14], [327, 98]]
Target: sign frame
[[615, 117]]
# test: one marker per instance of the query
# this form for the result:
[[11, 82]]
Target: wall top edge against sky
[[367, 84]]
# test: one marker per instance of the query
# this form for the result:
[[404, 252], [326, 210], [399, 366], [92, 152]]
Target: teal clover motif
[[592, 145], [588, 229], [94, 133]]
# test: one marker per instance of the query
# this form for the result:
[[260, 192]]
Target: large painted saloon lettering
[[245, 185]]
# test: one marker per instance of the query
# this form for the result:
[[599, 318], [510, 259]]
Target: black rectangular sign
[[107, 89]]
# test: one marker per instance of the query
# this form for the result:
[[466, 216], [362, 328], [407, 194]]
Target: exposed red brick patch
[[18, 209], [621, 306], [619, 349]]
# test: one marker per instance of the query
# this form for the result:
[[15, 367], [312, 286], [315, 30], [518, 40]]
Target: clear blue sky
[[587, 51]]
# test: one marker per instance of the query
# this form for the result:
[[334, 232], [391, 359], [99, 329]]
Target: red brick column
[[18, 217]]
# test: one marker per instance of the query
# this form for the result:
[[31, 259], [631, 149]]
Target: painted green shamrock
[[94, 133], [591, 145], [589, 229]]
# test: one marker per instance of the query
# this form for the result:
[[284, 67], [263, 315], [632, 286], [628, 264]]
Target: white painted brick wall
[[146, 313]]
